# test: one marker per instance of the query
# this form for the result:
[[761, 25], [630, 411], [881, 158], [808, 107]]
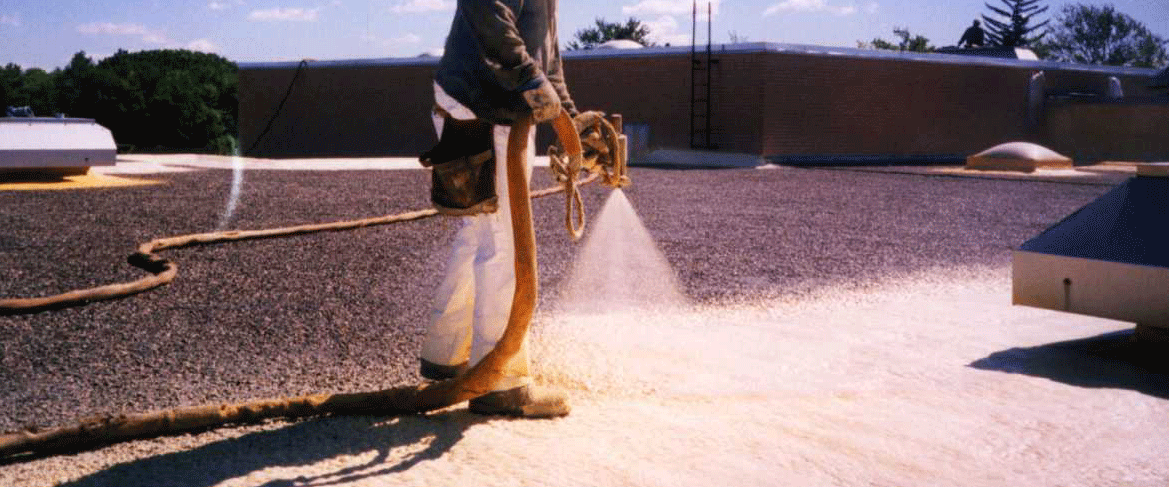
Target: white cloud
[[390, 44], [155, 38], [216, 5], [872, 8], [419, 6], [410, 38], [133, 30], [142, 32], [669, 7], [289, 14], [12, 20], [809, 6], [202, 45], [664, 30], [664, 24], [110, 28]]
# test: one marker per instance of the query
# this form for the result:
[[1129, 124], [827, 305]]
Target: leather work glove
[[544, 101]]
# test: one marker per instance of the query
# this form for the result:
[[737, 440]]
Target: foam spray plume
[[620, 290], [619, 267], [237, 181]]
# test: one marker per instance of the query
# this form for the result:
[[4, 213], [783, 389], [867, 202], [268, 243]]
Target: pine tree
[[1015, 30]]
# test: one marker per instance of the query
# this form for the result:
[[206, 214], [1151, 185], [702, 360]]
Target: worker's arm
[[556, 77], [494, 24], [504, 51]]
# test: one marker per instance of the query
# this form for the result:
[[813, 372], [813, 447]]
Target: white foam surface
[[846, 388]]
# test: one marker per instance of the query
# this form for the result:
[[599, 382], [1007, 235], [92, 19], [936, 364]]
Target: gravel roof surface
[[345, 311]]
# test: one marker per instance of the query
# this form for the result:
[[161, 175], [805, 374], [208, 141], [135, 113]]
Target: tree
[[168, 99], [9, 81], [25, 87], [163, 99], [1016, 30], [632, 29], [909, 42], [74, 84], [1089, 34]]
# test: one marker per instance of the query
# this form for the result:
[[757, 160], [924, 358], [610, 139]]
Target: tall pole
[[693, 64], [709, 68]]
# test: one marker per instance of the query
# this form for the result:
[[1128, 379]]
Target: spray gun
[[594, 143]]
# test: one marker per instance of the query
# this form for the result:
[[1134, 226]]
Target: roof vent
[[1108, 259]]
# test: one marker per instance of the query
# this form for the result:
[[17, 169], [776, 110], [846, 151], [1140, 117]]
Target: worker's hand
[[544, 101]]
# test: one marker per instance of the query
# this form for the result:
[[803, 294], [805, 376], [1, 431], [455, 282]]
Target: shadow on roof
[[1112, 360]]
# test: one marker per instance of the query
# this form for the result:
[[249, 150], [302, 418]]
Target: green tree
[[73, 86], [168, 100], [908, 42], [1016, 29], [9, 81], [36, 89], [590, 37], [1089, 34]]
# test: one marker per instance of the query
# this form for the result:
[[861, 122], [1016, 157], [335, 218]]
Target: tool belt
[[462, 177]]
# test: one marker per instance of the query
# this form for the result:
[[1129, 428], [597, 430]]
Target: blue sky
[[46, 33]]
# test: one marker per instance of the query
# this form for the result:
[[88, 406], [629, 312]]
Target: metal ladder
[[701, 66]]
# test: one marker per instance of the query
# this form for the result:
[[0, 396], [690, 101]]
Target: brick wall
[[341, 110], [1093, 131], [846, 106], [778, 102], [651, 90]]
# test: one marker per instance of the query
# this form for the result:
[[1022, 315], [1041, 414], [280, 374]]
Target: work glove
[[543, 99]]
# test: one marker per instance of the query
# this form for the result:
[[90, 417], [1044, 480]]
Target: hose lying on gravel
[[163, 271], [411, 399]]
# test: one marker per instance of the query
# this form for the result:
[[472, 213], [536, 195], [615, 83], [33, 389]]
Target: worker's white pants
[[473, 301]]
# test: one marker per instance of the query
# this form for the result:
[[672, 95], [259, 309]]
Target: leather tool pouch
[[462, 177]]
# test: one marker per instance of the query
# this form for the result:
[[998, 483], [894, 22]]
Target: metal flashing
[[743, 48], [1153, 170]]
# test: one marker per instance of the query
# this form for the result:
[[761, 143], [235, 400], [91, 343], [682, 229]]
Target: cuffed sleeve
[[555, 75]]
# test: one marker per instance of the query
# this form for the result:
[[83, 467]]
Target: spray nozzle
[[603, 150], [592, 142]]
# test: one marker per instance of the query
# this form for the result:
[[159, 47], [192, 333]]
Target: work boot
[[523, 402], [433, 371]]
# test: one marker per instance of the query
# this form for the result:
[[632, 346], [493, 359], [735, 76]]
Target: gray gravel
[[345, 311]]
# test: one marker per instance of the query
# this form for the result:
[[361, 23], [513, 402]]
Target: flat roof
[[742, 48]]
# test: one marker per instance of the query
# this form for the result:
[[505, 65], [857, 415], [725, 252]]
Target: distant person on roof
[[973, 37]]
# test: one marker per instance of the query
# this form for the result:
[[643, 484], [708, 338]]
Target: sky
[[47, 33]]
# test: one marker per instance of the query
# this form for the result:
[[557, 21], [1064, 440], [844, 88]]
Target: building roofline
[[752, 47]]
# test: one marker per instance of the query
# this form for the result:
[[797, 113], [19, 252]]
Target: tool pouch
[[462, 177]]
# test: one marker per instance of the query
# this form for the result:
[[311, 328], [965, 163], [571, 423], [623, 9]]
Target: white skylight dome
[[619, 44]]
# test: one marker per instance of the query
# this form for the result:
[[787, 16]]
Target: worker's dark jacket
[[495, 50]]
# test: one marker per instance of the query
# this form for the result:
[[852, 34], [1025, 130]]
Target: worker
[[974, 36], [501, 62]]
